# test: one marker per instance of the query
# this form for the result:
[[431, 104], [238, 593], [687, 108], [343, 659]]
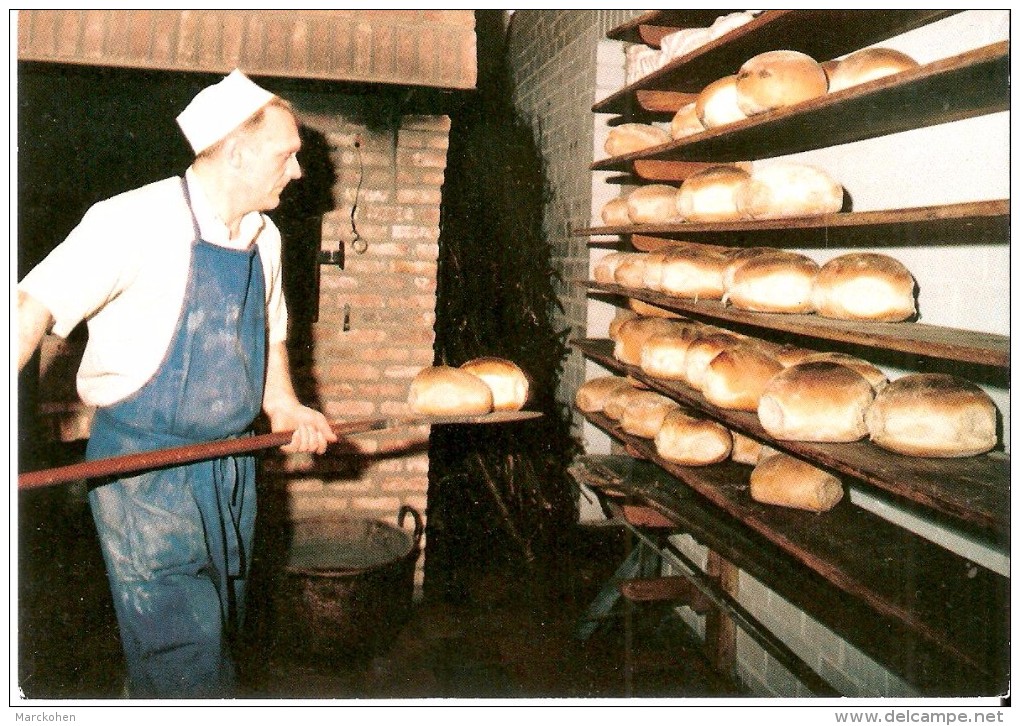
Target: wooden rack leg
[[720, 630]]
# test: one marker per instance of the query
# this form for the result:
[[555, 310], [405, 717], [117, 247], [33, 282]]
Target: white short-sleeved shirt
[[124, 269]]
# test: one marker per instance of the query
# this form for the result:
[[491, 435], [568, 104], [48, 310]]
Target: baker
[[180, 284]]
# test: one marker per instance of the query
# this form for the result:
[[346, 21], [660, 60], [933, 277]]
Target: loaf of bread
[[717, 103], [690, 441], [702, 351], [864, 286], [686, 122], [605, 269], [616, 402], [738, 257], [736, 377], [933, 414], [786, 189], [694, 272], [778, 79], [631, 270], [449, 391], [790, 355], [632, 335], [592, 395], [509, 384], [664, 355], [786, 481], [780, 282], [745, 450], [711, 195], [630, 138], [867, 65], [621, 316], [652, 204], [643, 414], [651, 311], [615, 214], [872, 374], [818, 401], [652, 278]]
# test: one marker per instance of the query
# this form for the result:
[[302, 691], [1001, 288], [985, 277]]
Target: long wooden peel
[[133, 463]]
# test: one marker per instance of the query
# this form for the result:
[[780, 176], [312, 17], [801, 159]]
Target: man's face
[[271, 158]]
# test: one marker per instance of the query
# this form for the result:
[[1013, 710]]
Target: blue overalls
[[177, 542]]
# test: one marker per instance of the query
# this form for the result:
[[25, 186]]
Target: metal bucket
[[347, 586]]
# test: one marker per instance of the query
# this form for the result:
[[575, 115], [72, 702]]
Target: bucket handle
[[419, 527]]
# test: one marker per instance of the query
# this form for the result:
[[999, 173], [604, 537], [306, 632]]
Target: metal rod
[[175, 456], [747, 622]]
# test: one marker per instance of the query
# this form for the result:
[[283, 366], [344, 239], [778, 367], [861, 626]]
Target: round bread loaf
[[449, 391], [711, 195], [621, 316], [738, 257], [777, 79], [933, 414], [872, 374], [615, 214], [643, 414], [818, 401], [652, 279], [633, 334], [631, 270], [702, 351], [664, 355], [651, 311], [864, 286], [630, 138], [617, 401], [686, 122], [509, 384], [781, 282], [592, 395], [829, 67], [693, 272], [789, 190], [867, 65], [790, 355], [689, 441], [736, 378], [786, 481], [745, 450], [717, 103], [652, 204], [605, 268]]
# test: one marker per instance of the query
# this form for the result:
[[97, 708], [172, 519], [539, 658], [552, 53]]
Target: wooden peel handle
[[173, 457]]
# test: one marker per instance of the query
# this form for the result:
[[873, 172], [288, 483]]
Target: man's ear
[[233, 152]]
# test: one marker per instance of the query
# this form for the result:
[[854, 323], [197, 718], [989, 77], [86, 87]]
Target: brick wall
[[377, 46], [376, 315], [552, 59]]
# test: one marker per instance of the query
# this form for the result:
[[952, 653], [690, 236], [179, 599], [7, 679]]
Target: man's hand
[[312, 432]]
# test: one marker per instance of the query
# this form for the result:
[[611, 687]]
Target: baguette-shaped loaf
[[786, 481]]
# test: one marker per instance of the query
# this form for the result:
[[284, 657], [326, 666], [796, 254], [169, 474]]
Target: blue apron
[[177, 542]]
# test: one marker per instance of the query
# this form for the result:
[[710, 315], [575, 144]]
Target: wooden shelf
[[933, 341], [941, 622], [971, 84], [822, 34], [971, 492], [984, 222]]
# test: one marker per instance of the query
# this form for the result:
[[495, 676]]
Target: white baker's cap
[[221, 108]]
